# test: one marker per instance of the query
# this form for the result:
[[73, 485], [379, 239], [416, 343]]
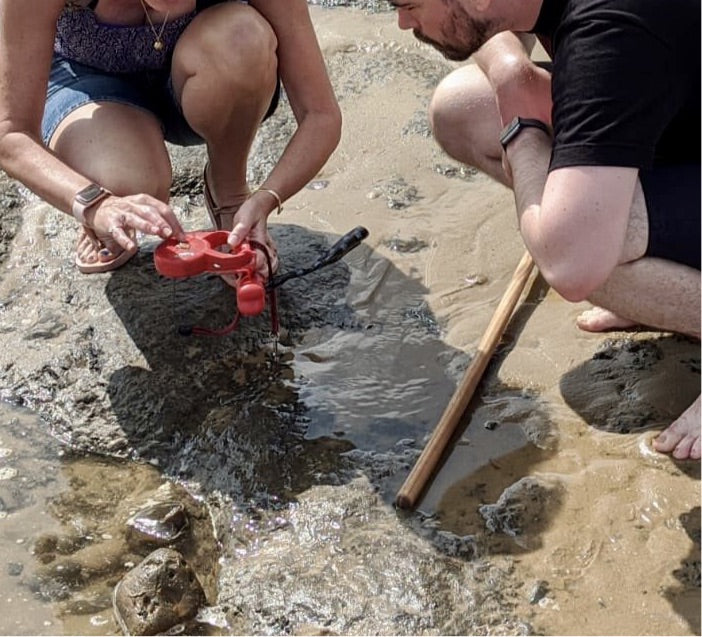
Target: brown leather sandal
[[222, 218]]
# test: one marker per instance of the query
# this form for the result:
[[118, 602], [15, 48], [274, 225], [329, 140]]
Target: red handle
[[250, 295], [201, 253]]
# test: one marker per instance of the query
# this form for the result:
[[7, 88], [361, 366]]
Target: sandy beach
[[576, 525], [621, 547]]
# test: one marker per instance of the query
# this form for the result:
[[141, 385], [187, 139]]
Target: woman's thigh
[[106, 128], [118, 146]]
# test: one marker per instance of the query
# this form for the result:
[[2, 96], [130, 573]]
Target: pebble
[[158, 594]]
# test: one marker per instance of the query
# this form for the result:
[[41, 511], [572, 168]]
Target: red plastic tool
[[207, 251]]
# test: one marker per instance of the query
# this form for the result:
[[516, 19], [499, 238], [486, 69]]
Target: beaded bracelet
[[278, 200]]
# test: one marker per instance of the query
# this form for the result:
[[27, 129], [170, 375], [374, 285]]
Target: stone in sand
[[158, 523], [159, 593]]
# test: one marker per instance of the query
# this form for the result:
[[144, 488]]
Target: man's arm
[[521, 87], [573, 220]]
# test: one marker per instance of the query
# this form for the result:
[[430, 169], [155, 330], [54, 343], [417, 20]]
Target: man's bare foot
[[683, 436], [598, 319]]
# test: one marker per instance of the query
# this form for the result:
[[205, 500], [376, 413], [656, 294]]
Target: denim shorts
[[72, 85]]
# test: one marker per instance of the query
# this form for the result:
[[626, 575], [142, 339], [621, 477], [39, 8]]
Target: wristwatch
[[517, 125], [87, 197]]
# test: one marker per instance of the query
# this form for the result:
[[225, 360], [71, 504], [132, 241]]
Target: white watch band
[[87, 198]]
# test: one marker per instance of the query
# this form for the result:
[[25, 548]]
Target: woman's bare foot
[[93, 254], [598, 319], [682, 438]]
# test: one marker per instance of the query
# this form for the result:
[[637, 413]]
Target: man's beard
[[463, 34]]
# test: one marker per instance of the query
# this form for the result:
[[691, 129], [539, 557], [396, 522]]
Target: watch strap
[[517, 125], [86, 199]]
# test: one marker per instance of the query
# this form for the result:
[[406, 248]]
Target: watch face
[[509, 131], [89, 193]]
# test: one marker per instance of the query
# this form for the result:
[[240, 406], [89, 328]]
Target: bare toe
[[100, 255], [86, 250], [598, 319], [682, 449], [682, 438]]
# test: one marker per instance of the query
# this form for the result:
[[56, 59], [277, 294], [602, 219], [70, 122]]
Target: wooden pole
[[430, 457]]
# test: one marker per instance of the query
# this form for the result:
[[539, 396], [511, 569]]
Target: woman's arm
[[27, 31], [304, 76]]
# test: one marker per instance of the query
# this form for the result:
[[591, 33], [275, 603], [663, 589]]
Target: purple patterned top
[[114, 48]]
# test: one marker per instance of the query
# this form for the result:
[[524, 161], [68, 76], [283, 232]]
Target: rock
[[538, 591], [160, 523], [157, 594], [14, 569], [521, 507]]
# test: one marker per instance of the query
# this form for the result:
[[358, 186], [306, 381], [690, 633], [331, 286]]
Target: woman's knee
[[151, 175], [231, 41]]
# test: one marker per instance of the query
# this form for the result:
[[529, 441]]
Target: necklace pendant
[[158, 45]]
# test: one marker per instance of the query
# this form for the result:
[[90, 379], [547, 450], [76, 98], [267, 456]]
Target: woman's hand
[[251, 223], [115, 217]]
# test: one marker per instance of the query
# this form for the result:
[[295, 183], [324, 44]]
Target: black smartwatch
[[87, 197], [517, 125]]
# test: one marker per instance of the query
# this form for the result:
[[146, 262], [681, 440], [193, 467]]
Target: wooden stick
[[430, 457]]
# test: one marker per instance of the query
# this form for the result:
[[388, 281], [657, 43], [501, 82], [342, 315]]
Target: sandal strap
[[219, 216], [92, 236]]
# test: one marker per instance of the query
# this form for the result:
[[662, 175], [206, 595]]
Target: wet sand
[[619, 551], [552, 491]]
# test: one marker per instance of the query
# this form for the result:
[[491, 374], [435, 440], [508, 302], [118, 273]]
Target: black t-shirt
[[626, 81]]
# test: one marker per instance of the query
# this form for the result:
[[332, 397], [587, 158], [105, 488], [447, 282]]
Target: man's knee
[[442, 120], [448, 110], [463, 116]]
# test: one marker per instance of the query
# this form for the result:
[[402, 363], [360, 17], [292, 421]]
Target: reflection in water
[[506, 431], [64, 535], [30, 467], [384, 383]]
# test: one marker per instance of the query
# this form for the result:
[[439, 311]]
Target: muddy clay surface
[[551, 515]]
